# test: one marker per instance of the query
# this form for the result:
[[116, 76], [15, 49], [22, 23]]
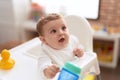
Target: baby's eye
[[64, 28], [53, 31]]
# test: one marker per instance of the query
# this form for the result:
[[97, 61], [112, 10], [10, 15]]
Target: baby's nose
[[60, 31]]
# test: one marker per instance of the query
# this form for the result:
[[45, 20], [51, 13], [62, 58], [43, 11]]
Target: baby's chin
[[62, 46]]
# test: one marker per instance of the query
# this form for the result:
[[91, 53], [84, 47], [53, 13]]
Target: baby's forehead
[[55, 23], [59, 21]]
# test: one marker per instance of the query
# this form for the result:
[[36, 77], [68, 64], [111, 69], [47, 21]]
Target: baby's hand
[[51, 71], [78, 52]]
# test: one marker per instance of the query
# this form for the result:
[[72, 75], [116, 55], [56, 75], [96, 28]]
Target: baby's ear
[[42, 39]]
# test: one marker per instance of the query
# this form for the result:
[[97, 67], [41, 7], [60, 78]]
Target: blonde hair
[[44, 20]]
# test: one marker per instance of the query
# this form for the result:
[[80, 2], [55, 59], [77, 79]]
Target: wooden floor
[[110, 74], [106, 73]]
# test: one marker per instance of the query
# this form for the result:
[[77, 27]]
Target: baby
[[58, 46]]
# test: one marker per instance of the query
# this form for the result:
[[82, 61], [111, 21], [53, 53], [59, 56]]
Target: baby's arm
[[51, 71], [78, 49], [78, 52], [45, 66]]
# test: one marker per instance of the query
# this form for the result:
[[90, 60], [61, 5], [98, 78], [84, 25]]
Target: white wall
[[12, 14]]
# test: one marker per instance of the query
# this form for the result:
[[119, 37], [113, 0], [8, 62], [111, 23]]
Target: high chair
[[25, 55], [81, 28]]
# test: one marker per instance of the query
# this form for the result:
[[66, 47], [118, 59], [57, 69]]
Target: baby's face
[[55, 34]]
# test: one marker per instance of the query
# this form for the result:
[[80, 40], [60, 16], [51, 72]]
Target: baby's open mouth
[[62, 40]]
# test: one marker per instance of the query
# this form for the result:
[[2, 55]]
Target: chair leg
[[98, 77], [97, 67]]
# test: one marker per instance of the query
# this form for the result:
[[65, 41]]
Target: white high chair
[[81, 28], [26, 67]]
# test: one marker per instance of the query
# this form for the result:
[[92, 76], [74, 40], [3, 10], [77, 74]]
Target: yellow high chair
[[79, 27]]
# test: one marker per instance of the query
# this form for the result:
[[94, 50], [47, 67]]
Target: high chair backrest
[[81, 28]]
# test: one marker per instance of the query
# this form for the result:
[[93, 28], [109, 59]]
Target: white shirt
[[59, 57]]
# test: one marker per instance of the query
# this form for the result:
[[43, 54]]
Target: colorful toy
[[69, 72], [6, 62], [90, 76]]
